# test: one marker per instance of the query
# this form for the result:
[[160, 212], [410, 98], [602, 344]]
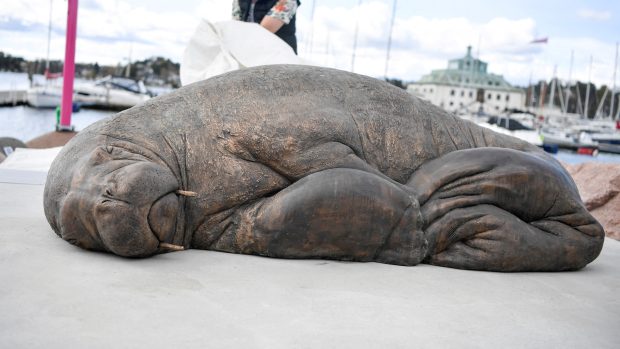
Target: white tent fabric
[[217, 48]]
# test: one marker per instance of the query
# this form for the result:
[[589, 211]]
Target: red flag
[[539, 41]]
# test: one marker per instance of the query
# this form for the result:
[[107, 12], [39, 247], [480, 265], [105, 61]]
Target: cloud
[[28, 12], [109, 31], [13, 24], [602, 54], [419, 44], [594, 15]]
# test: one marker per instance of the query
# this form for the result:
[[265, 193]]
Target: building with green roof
[[466, 87]]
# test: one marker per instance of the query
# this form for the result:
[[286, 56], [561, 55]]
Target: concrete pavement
[[54, 295]]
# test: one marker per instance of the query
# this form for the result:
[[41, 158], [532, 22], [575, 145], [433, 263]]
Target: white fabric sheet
[[217, 48]]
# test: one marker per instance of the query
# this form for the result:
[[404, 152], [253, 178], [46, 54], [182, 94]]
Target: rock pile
[[599, 186]]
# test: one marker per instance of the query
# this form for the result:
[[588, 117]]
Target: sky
[[425, 34]]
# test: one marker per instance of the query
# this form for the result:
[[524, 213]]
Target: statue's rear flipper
[[504, 210]]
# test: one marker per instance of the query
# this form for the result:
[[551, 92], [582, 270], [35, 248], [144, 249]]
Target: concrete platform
[[54, 295]]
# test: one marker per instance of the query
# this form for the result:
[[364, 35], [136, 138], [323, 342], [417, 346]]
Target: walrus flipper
[[504, 210], [342, 214]]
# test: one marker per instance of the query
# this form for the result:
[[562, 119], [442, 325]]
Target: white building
[[466, 87]]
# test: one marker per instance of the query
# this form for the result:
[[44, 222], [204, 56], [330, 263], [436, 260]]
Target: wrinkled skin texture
[[307, 162]]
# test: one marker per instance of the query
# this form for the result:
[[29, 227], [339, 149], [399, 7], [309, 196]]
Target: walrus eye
[[109, 149]]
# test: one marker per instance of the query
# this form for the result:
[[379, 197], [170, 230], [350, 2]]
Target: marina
[[95, 100], [465, 88]]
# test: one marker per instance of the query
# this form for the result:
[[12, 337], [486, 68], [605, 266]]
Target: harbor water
[[26, 123]]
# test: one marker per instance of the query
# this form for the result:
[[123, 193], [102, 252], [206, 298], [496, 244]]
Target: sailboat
[[107, 93], [49, 94], [46, 96]]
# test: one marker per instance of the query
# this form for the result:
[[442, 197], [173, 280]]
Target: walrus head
[[107, 197]]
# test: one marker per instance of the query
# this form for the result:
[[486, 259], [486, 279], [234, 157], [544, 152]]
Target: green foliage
[[397, 83], [153, 71], [11, 63]]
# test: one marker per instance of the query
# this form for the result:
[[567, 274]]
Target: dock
[[13, 97]]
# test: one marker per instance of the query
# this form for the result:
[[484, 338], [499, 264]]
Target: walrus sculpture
[[307, 162]]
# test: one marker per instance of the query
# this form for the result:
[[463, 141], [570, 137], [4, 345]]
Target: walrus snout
[[121, 203], [163, 217], [125, 232]]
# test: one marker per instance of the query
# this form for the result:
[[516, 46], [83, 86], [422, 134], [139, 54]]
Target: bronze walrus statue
[[306, 162]]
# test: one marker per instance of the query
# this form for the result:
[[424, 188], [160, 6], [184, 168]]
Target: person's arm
[[280, 14], [271, 23]]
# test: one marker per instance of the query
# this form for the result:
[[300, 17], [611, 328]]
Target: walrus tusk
[[186, 193], [171, 247]]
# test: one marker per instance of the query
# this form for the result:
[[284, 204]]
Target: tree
[[397, 83]]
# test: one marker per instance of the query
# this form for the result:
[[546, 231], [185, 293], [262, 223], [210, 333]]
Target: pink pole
[[68, 71]]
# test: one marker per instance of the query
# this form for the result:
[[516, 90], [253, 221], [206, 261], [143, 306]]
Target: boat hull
[[44, 97]]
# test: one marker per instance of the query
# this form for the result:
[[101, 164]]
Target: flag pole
[[68, 71]]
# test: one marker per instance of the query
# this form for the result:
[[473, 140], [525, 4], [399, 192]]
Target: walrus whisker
[[171, 247], [186, 193]]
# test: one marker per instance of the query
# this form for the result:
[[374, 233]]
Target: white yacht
[[111, 93], [45, 96]]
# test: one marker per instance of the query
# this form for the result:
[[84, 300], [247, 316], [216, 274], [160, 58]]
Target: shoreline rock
[[51, 139], [599, 187]]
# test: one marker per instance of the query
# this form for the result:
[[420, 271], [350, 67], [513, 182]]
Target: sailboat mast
[[389, 43], [327, 49], [357, 22], [585, 107], [613, 89], [570, 75], [49, 39], [531, 90], [579, 106], [552, 95], [543, 92], [600, 104], [311, 36], [128, 70], [561, 95]]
